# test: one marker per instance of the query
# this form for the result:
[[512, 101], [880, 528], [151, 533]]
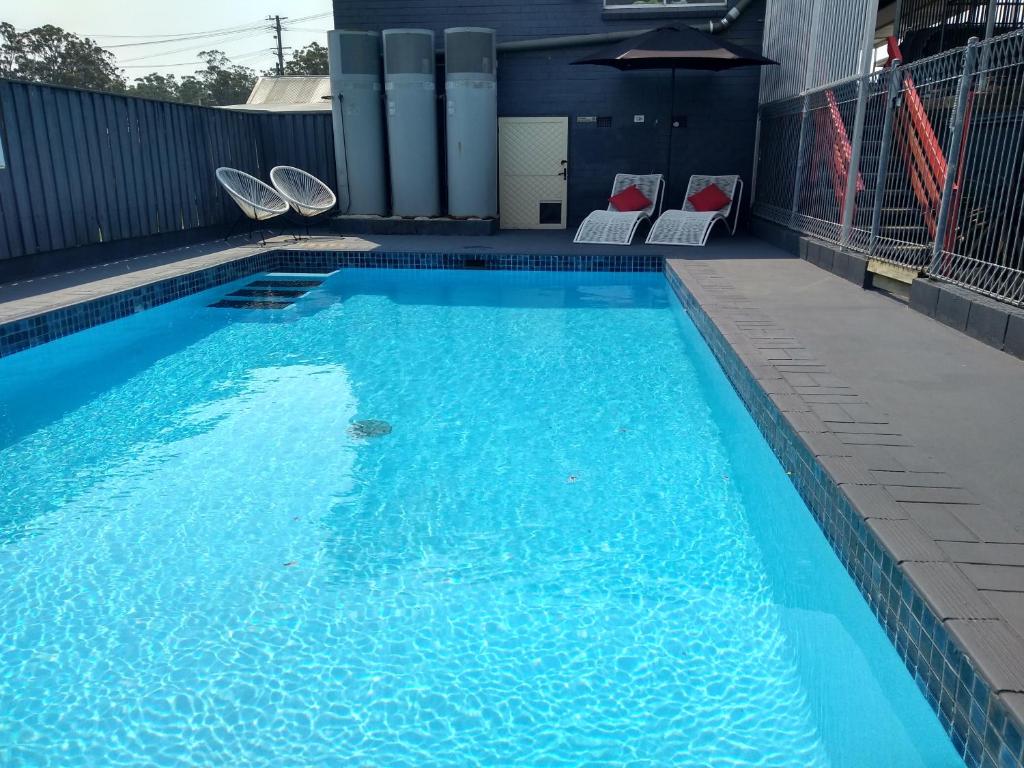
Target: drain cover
[[369, 428]]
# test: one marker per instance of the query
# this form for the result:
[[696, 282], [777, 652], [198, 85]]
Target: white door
[[533, 168]]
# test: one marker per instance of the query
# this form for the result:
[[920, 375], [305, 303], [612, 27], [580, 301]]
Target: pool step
[[268, 293], [250, 304], [276, 293]]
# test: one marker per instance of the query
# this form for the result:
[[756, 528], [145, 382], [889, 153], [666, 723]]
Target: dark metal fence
[[918, 166], [84, 167]]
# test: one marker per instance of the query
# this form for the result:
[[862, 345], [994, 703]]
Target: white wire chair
[[614, 227], [689, 226], [257, 200], [307, 195]]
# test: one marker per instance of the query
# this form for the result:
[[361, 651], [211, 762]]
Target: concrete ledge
[[992, 322], [395, 225], [924, 295]]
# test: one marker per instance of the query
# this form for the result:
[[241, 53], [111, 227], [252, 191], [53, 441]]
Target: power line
[[157, 36], [240, 36], [233, 58], [211, 36]]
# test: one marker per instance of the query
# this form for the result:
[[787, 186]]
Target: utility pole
[[280, 43]]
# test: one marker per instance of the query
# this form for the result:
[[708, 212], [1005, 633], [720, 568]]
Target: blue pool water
[[573, 548]]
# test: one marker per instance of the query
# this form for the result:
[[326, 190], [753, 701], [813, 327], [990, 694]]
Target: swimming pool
[[573, 547]]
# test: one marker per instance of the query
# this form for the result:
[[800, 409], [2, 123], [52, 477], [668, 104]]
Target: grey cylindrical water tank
[[409, 82], [472, 121], [358, 121]]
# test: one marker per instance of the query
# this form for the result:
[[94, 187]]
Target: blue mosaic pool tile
[[972, 715]]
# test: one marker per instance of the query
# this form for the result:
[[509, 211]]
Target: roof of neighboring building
[[292, 93]]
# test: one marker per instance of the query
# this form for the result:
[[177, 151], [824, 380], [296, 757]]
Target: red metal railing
[[922, 153]]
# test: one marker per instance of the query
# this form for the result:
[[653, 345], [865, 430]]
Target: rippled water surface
[[572, 548]]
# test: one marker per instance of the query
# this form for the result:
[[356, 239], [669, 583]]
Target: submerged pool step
[[230, 303], [284, 283], [269, 293]]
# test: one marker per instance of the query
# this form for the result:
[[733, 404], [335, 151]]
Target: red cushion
[[629, 199], [711, 198]]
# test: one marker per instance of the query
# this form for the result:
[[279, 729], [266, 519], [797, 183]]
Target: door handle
[[564, 173]]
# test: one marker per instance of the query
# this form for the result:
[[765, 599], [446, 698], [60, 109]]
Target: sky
[[117, 23]]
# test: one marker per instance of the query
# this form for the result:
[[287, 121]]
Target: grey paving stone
[[799, 366], [922, 494], [938, 521], [1010, 606], [817, 389], [987, 321], [920, 479], [952, 308], [990, 525], [831, 413], [788, 403], [984, 552], [905, 458], [996, 650], [857, 438], [865, 414], [846, 470], [805, 422], [829, 380], [948, 591], [824, 444], [924, 295], [864, 429], [798, 378], [905, 540], [811, 396], [871, 501], [1004, 578], [776, 387]]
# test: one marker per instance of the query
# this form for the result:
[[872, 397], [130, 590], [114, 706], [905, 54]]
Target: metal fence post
[[895, 78], [850, 197], [857, 140], [801, 159], [956, 135]]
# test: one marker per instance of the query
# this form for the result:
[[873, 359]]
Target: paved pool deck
[[922, 425]]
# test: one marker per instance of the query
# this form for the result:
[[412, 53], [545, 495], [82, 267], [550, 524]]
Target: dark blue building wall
[[719, 109]]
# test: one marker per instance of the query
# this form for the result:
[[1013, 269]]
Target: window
[[653, 5]]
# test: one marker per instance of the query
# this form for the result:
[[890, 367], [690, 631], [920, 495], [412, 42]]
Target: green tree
[[311, 60], [156, 86], [48, 54], [219, 83]]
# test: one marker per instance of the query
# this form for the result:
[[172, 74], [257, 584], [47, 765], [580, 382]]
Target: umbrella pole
[[671, 128]]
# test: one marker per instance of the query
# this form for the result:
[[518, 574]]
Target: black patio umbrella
[[673, 48]]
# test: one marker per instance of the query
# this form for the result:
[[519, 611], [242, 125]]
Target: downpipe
[[602, 38]]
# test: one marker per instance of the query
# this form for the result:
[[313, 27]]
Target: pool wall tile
[[854, 518]]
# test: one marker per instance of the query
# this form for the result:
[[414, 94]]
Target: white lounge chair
[[257, 200], [692, 227], [613, 227], [307, 195]]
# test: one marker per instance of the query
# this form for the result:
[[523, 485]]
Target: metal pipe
[[953, 155], [579, 41]]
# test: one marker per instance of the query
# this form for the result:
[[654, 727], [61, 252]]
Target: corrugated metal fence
[[85, 167], [918, 165]]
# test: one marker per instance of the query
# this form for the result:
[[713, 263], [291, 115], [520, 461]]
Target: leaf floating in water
[[290, 563], [369, 428], [571, 479]]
